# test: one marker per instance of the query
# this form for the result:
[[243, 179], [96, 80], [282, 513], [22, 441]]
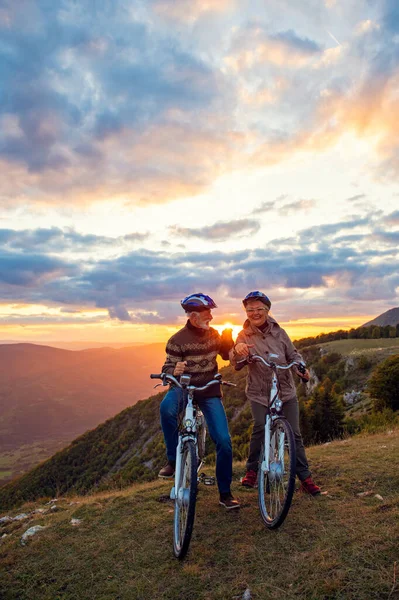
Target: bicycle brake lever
[[158, 384]]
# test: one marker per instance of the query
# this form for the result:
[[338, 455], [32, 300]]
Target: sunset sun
[[236, 328]]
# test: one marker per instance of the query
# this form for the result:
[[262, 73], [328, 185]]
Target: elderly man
[[193, 350], [262, 335]]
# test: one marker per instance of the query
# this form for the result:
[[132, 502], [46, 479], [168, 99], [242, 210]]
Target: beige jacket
[[273, 344]]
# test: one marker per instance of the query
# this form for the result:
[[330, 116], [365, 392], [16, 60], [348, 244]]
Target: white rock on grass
[[5, 519], [76, 522], [21, 517], [30, 532]]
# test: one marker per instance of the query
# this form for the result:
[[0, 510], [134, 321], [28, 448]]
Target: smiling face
[[201, 319], [256, 312]]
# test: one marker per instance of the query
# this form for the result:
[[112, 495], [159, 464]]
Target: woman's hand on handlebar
[[242, 349], [179, 368], [304, 374]]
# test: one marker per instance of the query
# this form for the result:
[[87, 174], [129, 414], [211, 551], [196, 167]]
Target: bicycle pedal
[[207, 479]]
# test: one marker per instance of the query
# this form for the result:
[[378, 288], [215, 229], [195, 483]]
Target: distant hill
[[76, 345], [390, 317], [48, 394]]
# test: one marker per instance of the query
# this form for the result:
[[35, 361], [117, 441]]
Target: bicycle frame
[[272, 413], [189, 431]]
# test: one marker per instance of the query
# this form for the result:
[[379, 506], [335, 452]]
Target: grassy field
[[385, 346], [342, 545]]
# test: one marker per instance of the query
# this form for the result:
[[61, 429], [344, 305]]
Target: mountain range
[[48, 395]]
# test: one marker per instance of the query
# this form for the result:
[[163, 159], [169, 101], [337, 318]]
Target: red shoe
[[250, 479], [309, 486]]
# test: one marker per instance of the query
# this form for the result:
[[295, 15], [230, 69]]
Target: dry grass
[[338, 546]]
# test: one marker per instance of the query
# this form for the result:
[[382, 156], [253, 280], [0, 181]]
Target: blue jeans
[[218, 429]]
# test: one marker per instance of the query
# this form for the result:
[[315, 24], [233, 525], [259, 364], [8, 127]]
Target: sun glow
[[236, 328]]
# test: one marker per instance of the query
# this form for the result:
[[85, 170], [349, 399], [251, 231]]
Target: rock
[[362, 494], [352, 397], [75, 522], [5, 519], [21, 517], [349, 364], [379, 497], [247, 594], [30, 532]]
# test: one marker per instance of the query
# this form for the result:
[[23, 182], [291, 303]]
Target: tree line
[[362, 333]]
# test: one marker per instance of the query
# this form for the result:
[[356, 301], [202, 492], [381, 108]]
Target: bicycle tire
[[276, 485], [185, 500]]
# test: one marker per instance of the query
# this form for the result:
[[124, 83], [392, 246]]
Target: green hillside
[[382, 347], [340, 546]]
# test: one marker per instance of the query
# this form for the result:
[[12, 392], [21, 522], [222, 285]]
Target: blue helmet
[[197, 302], [257, 296]]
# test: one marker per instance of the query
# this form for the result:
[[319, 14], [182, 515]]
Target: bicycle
[[190, 454], [277, 462]]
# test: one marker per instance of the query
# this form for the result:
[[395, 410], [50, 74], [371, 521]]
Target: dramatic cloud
[[145, 286]]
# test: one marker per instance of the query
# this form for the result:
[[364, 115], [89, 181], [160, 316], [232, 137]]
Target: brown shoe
[[228, 501], [168, 471]]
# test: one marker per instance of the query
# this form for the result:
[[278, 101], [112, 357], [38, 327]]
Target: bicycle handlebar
[[167, 378], [256, 358]]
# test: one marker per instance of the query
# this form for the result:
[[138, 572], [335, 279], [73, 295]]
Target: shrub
[[384, 384]]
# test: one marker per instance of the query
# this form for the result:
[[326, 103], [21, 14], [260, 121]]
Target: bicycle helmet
[[197, 302], [257, 296]]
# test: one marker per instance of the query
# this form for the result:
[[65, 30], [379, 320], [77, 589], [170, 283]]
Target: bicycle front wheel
[[185, 499], [276, 480]]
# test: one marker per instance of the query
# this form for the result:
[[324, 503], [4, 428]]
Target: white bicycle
[[277, 462], [189, 459]]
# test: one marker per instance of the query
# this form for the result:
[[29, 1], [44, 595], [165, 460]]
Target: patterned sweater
[[199, 348]]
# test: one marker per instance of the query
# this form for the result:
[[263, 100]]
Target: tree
[[376, 332], [327, 414], [384, 383]]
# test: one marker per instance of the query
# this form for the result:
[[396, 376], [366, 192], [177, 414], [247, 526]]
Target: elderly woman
[[262, 335]]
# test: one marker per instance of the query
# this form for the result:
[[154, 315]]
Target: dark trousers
[[291, 413]]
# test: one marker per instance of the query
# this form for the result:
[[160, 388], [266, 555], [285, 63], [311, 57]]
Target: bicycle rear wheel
[[276, 481], [185, 499]]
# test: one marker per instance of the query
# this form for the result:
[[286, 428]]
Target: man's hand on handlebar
[[179, 368], [242, 349]]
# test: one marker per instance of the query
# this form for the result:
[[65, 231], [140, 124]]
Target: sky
[[153, 149]]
